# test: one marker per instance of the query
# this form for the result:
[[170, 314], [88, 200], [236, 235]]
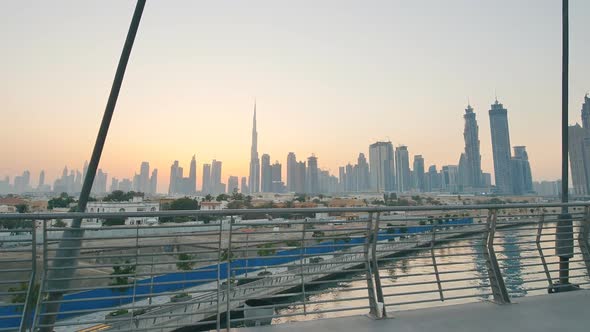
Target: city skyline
[[401, 167], [316, 92]]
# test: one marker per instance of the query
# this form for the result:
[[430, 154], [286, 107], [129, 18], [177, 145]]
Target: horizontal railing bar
[[301, 313], [230, 212]]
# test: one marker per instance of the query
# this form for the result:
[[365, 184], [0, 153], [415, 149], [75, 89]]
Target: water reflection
[[410, 283]]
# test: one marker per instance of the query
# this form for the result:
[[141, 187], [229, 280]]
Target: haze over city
[[329, 79]]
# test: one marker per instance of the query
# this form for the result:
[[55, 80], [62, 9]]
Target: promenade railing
[[231, 268]]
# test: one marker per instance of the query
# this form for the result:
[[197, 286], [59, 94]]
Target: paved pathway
[[557, 312]]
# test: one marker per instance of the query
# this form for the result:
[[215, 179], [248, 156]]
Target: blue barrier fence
[[98, 299]]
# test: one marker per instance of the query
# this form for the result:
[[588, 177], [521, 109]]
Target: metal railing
[[236, 272]]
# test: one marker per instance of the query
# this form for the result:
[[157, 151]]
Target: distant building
[[382, 167], [312, 175], [291, 171], [254, 178], [433, 182], [244, 185], [125, 185], [418, 174], [216, 186], [192, 177], [154, 181], [472, 153], [232, 185], [579, 151], [277, 185], [22, 183], [265, 174], [547, 188], [449, 178], [300, 177], [463, 180], [100, 182], [114, 184], [501, 147], [211, 206], [363, 177], [135, 205], [522, 180], [206, 179], [402, 169]]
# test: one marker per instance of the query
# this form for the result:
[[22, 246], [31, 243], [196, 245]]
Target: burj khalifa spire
[[254, 178]]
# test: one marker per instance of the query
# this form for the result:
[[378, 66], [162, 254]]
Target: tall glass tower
[[472, 154], [254, 178], [501, 147]]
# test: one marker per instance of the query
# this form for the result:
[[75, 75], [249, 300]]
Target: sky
[[329, 77]]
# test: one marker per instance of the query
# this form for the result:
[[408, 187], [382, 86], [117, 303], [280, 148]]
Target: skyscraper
[[216, 185], [144, 178], [114, 184], [291, 171], [449, 178], [154, 181], [342, 178], [265, 174], [276, 183], [254, 179], [433, 179], [382, 166], [312, 175], [206, 179], [419, 181], [402, 169], [173, 185], [463, 176], [232, 184], [100, 182], [363, 179], [501, 147], [244, 185], [586, 113], [192, 176], [41, 179], [300, 177], [579, 151], [472, 153], [522, 181]]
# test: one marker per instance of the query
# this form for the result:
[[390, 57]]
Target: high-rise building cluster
[[142, 182], [579, 151], [512, 173], [388, 168]]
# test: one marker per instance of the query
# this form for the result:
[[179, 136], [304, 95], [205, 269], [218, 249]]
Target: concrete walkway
[[557, 312]]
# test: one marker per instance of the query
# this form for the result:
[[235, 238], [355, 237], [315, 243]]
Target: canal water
[[409, 281]]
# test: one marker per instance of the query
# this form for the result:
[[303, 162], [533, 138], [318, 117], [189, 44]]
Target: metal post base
[[560, 288]]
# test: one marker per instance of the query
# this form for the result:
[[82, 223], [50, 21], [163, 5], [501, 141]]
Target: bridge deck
[[557, 312]]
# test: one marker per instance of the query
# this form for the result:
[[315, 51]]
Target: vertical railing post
[[374, 311], [29, 299], [218, 314], [43, 278], [583, 238], [434, 265], [375, 267], [134, 319], [541, 254], [228, 281], [495, 274], [301, 261]]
